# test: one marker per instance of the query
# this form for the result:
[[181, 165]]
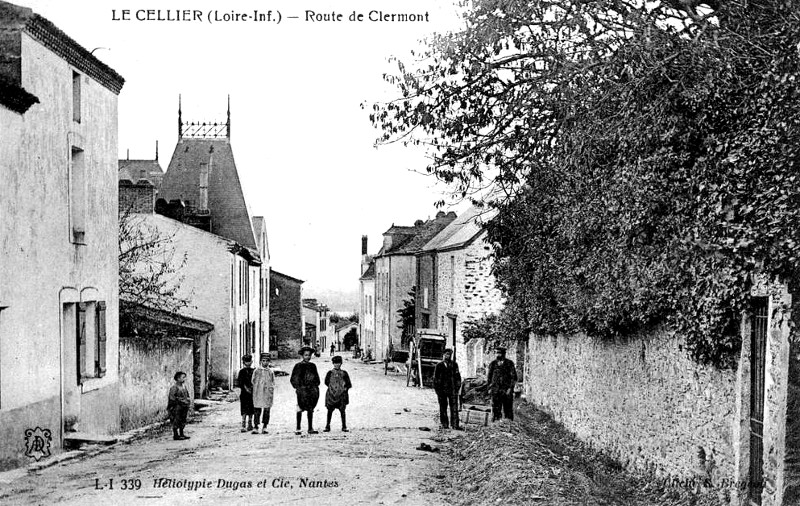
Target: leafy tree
[[406, 315], [149, 272], [642, 156], [350, 339], [335, 318]]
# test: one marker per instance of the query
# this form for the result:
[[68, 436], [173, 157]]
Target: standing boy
[[502, 376], [245, 381], [305, 381], [446, 383], [263, 393], [337, 397], [178, 405]]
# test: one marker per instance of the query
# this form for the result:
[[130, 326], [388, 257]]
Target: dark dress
[[338, 383], [178, 405], [305, 381], [245, 379]]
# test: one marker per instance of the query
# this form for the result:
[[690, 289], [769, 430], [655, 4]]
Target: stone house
[[201, 188], [285, 314], [137, 169], [366, 306], [342, 328], [58, 240], [396, 277], [456, 285], [316, 322], [643, 401]]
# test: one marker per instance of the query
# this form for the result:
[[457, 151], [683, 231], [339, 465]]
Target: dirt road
[[376, 463]]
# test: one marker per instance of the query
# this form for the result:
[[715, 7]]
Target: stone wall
[[146, 375], [136, 198], [465, 290], [641, 400], [285, 315]]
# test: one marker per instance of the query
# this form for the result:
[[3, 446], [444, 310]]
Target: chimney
[[363, 245]]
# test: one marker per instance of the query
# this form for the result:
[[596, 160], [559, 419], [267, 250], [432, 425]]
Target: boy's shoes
[[243, 429], [298, 432], [183, 437], [255, 431], [326, 429], [312, 431], [345, 429], [249, 426], [264, 431], [177, 438]]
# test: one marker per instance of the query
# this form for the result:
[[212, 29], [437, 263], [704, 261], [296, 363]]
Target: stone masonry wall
[[285, 316], [466, 290], [642, 401]]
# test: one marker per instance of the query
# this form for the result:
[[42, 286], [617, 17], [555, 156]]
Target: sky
[[303, 145]]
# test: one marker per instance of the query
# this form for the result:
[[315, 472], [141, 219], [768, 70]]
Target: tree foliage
[[149, 271], [642, 155]]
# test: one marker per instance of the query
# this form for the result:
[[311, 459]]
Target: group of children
[[257, 394]]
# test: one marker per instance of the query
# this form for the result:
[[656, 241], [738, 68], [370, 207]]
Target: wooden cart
[[426, 349]]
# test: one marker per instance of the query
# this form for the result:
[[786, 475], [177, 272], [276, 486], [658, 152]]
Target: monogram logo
[[37, 442]]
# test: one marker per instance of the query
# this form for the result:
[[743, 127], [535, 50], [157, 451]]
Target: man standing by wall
[[502, 376], [447, 382]]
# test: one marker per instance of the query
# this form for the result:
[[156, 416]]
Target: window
[[77, 196], [91, 338], [80, 332], [76, 97], [100, 341], [426, 321], [425, 298]]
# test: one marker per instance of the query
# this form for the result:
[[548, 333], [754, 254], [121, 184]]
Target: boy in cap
[[178, 405], [305, 381], [338, 382], [263, 393], [245, 381], [502, 376]]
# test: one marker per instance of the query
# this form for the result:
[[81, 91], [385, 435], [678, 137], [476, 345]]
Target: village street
[[376, 463]]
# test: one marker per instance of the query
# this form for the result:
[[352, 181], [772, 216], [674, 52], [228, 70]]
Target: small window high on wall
[[77, 196], [76, 97]]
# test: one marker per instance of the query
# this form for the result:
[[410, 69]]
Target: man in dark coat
[[305, 381], [446, 383], [502, 376]]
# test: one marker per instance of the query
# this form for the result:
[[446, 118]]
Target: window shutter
[[100, 352], [81, 322]]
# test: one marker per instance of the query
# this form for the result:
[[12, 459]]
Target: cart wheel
[[408, 373], [385, 367]]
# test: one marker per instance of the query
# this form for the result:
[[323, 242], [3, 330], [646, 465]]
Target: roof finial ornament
[[228, 123], [156, 149], [180, 122]]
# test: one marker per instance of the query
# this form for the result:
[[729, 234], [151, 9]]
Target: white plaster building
[[58, 237]]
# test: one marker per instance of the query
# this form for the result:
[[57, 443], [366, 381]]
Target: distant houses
[[395, 277], [442, 267], [58, 294]]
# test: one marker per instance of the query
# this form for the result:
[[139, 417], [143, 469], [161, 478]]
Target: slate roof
[[344, 323], [134, 170], [285, 276], [423, 232], [460, 231], [15, 97], [229, 215], [370, 272]]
